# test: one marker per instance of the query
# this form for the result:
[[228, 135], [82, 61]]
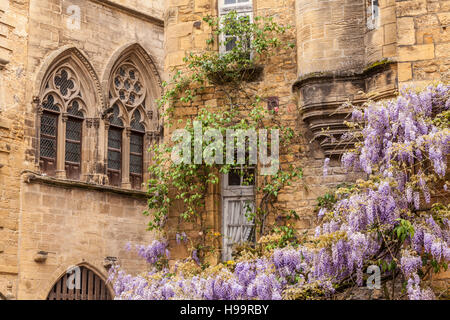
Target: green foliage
[[186, 185], [404, 230]]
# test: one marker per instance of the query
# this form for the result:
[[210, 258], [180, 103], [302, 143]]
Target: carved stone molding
[[95, 122], [322, 98], [92, 73], [152, 135]]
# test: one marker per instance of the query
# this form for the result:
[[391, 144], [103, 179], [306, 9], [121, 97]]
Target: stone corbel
[[109, 262], [40, 257], [151, 135], [36, 102], [107, 124], [96, 122], [89, 122], [323, 96], [3, 63]]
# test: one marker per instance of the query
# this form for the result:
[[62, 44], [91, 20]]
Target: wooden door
[[91, 287]]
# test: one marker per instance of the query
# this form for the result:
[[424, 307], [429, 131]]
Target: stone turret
[[344, 49]]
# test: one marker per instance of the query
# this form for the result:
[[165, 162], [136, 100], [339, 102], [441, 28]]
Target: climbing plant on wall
[[397, 220], [231, 76]]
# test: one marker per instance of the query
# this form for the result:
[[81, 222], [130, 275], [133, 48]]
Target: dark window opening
[[49, 136], [74, 128], [115, 156], [48, 142], [136, 159], [136, 151]]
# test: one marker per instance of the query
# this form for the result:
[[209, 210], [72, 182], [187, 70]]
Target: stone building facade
[[78, 79]]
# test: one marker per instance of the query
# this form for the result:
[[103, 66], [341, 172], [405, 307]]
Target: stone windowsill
[[30, 176]]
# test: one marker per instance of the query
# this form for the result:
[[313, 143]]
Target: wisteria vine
[[397, 219]]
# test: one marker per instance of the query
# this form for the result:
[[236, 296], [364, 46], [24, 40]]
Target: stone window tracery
[[61, 124], [128, 86], [130, 97]]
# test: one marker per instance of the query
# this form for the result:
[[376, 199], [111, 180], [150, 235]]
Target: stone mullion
[[61, 147], [87, 149], [105, 150]]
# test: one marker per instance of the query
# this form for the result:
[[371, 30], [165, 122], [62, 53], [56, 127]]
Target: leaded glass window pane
[[114, 119], [48, 144], [114, 160], [136, 123], [48, 135], [136, 159], [48, 124], [115, 139], [48, 148], [49, 104], [74, 110], [136, 164], [63, 83], [73, 152], [73, 130], [115, 148], [136, 141]]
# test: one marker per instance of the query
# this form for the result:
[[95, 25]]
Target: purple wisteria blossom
[[397, 134]]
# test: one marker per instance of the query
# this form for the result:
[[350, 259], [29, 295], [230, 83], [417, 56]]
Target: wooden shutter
[[92, 287], [237, 227]]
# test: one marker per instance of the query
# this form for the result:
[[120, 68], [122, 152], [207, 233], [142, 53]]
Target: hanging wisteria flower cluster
[[385, 220]]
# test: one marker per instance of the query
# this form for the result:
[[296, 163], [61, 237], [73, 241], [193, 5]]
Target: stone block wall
[[75, 225], [13, 44], [423, 39], [186, 32], [72, 223], [337, 56], [380, 39], [330, 35]]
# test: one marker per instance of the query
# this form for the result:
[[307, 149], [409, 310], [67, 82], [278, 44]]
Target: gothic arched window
[[61, 124], [133, 87]]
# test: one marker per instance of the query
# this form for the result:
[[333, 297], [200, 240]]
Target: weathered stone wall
[[13, 40], [330, 35], [73, 223], [279, 74], [423, 40], [336, 50], [381, 33]]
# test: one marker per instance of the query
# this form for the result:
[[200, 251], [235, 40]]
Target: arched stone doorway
[[80, 284]]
